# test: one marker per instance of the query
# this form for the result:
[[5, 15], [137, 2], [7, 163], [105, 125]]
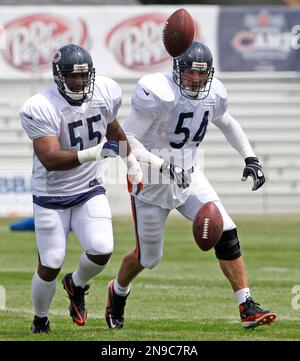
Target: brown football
[[178, 32], [208, 226]]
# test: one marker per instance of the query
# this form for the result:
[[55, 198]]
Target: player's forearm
[[142, 154], [235, 135], [50, 154], [115, 132], [117, 144], [60, 160]]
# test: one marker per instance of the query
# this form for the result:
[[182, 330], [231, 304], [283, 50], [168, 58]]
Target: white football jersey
[[172, 127], [76, 127]]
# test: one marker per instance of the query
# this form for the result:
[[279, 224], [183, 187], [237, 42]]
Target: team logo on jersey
[[98, 104], [209, 102], [32, 39], [95, 182]]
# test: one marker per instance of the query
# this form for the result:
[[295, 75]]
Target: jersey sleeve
[[38, 119], [220, 93], [151, 98], [145, 109], [235, 135], [115, 97], [153, 95], [137, 123], [145, 102], [222, 105]]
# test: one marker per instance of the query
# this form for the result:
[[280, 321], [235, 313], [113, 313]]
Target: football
[[178, 32], [208, 226]]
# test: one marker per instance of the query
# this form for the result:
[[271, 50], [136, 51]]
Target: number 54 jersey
[[170, 126], [76, 127]]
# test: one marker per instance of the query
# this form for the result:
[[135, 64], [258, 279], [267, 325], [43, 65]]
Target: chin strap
[[71, 101]]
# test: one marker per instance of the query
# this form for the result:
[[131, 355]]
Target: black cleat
[[40, 325], [252, 315], [115, 304], [77, 308]]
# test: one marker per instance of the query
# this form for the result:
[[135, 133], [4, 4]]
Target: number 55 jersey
[[76, 127]]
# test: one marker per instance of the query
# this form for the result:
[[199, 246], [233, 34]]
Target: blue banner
[[259, 39]]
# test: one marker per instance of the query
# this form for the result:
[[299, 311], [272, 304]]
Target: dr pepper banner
[[259, 39], [125, 41]]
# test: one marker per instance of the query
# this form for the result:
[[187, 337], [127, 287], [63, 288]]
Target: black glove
[[254, 169], [181, 176]]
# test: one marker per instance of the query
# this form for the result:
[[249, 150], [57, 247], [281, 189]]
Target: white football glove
[[101, 151], [135, 179]]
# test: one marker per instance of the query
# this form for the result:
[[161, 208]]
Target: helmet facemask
[[67, 85], [197, 88], [74, 74]]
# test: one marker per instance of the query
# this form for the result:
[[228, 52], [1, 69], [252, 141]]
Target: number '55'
[[92, 134]]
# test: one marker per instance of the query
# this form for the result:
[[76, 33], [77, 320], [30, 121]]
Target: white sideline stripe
[[138, 285], [230, 319], [51, 312], [275, 269]]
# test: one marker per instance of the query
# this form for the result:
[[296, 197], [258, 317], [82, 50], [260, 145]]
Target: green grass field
[[186, 297]]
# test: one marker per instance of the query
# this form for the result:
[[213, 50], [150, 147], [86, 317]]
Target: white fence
[[266, 105]]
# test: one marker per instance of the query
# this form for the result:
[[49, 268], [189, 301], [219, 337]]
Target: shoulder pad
[[38, 106], [159, 86], [218, 88], [152, 91], [108, 86]]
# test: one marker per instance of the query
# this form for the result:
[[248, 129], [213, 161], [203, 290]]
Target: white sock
[[42, 295], [85, 271], [241, 295], [121, 291]]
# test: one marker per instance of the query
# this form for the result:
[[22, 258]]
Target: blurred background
[[256, 50]]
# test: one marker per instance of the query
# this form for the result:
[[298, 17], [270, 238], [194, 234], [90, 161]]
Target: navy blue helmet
[[196, 58], [73, 59]]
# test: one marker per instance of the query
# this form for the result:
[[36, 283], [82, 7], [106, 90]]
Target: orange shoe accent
[[76, 297]]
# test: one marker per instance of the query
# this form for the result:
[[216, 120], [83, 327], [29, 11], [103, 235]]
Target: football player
[[169, 118], [73, 127]]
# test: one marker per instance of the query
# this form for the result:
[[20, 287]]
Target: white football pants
[[150, 220], [90, 221]]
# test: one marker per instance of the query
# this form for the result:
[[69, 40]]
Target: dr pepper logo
[[136, 43], [32, 40]]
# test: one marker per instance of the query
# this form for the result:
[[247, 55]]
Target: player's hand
[[110, 149], [135, 179], [181, 176], [254, 170], [101, 151]]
